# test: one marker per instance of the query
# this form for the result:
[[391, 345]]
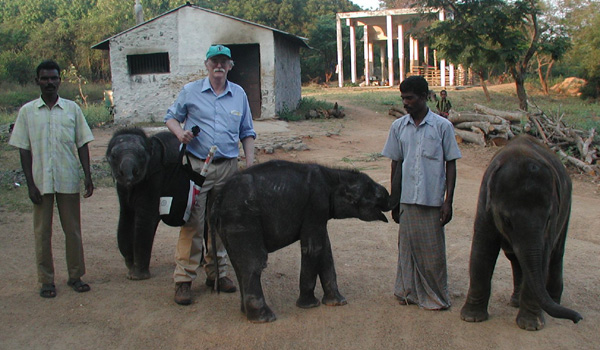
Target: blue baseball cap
[[216, 50]]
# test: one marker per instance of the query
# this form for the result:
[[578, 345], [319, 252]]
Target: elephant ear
[[489, 176], [349, 192]]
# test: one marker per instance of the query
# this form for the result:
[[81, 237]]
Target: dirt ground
[[123, 314]]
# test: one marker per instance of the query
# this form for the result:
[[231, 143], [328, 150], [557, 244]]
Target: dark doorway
[[246, 73]]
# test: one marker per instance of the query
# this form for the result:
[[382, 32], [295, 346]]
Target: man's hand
[[445, 213], [396, 214], [89, 187], [34, 194], [185, 136]]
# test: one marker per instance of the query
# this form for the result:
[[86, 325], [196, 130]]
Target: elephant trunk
[[531, 262]]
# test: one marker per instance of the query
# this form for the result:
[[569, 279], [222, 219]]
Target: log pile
[[489, 126], [397, 112], [485, 125]]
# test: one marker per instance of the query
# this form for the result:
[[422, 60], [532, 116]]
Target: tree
[[582, 18], [396, 4], [554, 43], [323, 42], [65, 30], [494, 30], [16, 66]]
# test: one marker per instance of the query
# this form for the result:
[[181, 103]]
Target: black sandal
[[48, 290], [79, 286]]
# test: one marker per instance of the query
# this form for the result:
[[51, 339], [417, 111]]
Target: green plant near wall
[[306, 104]]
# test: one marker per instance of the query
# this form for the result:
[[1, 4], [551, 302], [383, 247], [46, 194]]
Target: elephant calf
[[524, 207], [139, 165], [274, 204]]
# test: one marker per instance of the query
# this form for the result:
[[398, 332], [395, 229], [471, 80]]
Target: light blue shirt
[[425, 149], [224, 120]]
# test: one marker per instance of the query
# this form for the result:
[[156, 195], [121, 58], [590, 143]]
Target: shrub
[[306, 104]]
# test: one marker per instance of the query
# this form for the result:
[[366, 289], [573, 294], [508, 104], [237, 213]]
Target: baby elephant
[[272, 205], [524, 207], [139, 165]]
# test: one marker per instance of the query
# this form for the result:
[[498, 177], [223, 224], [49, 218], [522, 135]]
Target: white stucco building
[[152, 61]]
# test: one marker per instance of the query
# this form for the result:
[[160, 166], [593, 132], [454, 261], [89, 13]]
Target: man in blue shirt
[[221, 109], [423, 144]]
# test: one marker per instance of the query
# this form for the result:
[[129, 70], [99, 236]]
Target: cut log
[[583, 146], [512, 116], [459, 139], [461, 117], [499, 140], [588, 169], [477, 138], [485, 126], [397, 112]]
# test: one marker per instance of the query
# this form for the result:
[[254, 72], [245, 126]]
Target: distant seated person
[[443, 105]]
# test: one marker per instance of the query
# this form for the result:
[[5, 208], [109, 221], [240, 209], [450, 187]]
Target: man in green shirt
[[51, 133]]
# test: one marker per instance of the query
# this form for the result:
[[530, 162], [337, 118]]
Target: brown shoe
[[183, 293], [225, 284]]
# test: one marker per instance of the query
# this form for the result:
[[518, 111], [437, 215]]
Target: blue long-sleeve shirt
[[224, 120]]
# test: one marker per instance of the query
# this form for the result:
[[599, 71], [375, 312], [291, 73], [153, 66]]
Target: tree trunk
[[543, 81], [519, 78], [548, 71], [484, 86]]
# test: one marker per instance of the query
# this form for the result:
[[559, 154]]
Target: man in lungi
[[423, 151]]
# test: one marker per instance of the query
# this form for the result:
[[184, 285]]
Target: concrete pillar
[[371, 57], [340, 52], [451, 75], [352, 51], [382, 63], [390, 51], [441, 17], [416, 51], [401, 52], [366, 54], [442, 73], [411, 53]]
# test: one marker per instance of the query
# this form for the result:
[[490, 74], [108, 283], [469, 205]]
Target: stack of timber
[[494, 127], [485, 125], [397, 112]]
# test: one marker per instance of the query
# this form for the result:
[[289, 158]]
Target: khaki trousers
[[69, 213], [188, 253]]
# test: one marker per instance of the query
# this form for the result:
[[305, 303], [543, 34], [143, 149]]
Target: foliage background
[[65, 30]]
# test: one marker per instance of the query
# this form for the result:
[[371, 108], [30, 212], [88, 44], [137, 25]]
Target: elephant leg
[[248, 256], [254, 304], [125, 234], [554, 284], [331, 294], [312, 246], [484, 254], [238, 275], [517, 279], [145, 230], [530, 315]]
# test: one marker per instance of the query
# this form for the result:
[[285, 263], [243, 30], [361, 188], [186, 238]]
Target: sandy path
[[122, 314]]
